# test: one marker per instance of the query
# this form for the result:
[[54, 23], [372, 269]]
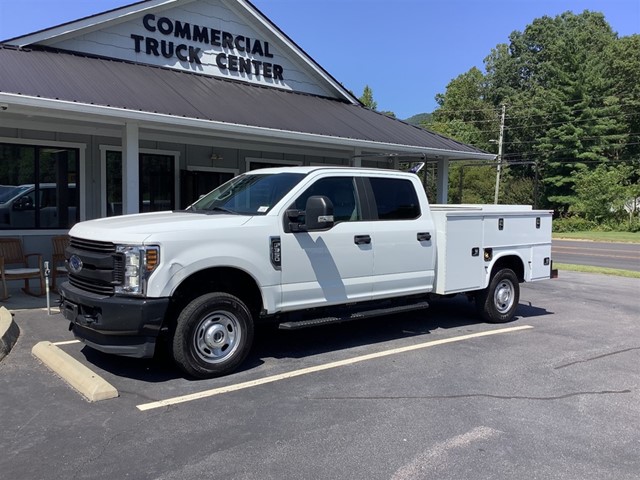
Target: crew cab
[[299, 247]]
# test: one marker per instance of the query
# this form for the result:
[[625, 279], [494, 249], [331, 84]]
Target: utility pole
[[495, 197]]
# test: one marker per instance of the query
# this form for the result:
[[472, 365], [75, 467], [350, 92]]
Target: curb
[[9, 332], [81, 378]]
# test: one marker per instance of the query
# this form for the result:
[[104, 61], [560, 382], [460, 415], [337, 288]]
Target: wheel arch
[[231, 280], [511, 261]]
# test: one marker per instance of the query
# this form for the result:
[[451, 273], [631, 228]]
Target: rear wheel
[[213, 335], [498, 302]]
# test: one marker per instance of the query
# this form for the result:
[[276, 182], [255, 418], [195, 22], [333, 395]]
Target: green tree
[[601, 192], [367, 98], [563, 114], [471, 183], [463, 112], [573, 108], [465, 115]]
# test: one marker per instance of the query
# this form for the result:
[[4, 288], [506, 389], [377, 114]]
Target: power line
[[591, 137], [527, 107], [572, 121], [562, 150], [484, 163]]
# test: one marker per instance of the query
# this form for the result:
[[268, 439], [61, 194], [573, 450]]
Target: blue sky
[[405, 50]]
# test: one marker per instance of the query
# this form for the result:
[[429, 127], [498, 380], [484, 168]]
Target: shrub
[[573, 224]]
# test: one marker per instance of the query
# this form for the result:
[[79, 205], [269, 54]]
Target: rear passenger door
[[402, 237]]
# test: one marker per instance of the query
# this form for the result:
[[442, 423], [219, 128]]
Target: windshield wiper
[[222, 209]]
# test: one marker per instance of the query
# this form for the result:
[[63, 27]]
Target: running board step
[[315, 322]]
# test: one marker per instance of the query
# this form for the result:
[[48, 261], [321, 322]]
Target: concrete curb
[[9, 332], [88, 383]]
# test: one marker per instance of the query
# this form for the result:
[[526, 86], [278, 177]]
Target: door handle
[[362, 239], [424, 236]]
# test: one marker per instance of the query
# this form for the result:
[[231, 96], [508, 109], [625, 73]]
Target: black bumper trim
[[125, 346], [113, 324]]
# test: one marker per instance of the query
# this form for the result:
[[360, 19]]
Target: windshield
[[8, 192], [248, 194]]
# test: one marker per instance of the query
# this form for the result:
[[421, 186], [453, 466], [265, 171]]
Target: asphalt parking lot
[[433, 394]]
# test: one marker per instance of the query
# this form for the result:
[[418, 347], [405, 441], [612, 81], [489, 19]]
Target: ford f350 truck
[[299, 247]]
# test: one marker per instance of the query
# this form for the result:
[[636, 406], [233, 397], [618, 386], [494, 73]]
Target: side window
[[396, 198], [342, 193]]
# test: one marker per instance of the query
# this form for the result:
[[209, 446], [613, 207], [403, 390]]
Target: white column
[[130, 169], [357, 160], [442, 180]]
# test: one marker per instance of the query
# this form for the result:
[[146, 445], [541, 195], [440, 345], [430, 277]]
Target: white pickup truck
[[300, 247]]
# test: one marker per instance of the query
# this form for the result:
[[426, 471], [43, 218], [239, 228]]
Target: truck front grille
[[90, 286], [92, 245], [102, 268]]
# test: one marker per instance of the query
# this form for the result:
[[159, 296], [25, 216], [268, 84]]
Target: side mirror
[[23, 203], [317, 215]]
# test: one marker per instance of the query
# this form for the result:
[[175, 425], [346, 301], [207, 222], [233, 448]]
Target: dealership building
[[148, 106]]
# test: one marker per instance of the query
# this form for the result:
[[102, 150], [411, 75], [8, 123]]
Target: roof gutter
[[120, 116]]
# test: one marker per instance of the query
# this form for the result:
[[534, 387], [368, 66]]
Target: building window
[[156, 182], [195, 183], [38, 187]]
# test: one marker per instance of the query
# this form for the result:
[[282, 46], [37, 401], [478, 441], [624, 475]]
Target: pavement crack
[[28, 422], [474, 395], [597, 358]]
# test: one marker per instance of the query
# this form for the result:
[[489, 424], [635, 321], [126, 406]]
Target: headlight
[[138, 264]]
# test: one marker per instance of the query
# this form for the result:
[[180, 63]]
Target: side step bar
[[314, 322]]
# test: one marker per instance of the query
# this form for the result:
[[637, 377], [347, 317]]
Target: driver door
[[328, 267]]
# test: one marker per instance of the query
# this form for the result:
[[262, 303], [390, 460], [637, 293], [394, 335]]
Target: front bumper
[[117, 325]]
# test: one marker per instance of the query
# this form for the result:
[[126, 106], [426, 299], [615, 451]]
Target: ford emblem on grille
[[75, 264]]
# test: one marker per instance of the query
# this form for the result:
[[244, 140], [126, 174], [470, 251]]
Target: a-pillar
[[130, 169]]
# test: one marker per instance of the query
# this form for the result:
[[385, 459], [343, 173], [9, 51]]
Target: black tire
[[213, 335], [498, 302]]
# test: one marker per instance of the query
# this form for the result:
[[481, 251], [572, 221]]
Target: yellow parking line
[[320, 368]]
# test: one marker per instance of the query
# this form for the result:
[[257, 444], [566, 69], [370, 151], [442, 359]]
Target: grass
[[625, 237], [601, 270]]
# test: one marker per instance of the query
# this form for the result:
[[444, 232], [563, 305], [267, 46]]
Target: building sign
[[239, 53], [217, 38]]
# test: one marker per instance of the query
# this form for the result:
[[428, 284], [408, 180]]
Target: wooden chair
[[14, 265], [58, 267]]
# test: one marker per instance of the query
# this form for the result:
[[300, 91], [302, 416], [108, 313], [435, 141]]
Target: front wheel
[[213, 335], [498, 302]]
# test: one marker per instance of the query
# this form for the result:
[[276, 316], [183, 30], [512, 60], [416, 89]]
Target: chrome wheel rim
[[217, 337], [503, 296]]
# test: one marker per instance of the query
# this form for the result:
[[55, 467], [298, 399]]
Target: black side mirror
[[318, 215], [23, 203]]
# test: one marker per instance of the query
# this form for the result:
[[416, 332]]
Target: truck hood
[[139, 227]]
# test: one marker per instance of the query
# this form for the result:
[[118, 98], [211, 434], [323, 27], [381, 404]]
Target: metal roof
[[83, 79]]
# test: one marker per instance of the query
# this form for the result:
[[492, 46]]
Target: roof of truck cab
[[305, 170]]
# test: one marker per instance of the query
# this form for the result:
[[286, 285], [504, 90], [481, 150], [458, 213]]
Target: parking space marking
[[67, 342], [319, 368]]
